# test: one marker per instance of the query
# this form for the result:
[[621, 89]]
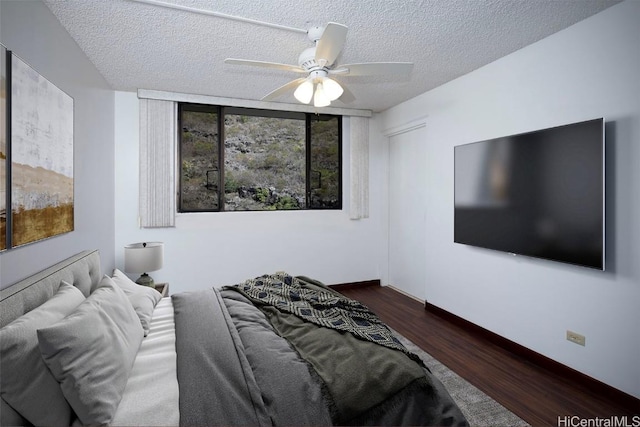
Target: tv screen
[[539, 194]]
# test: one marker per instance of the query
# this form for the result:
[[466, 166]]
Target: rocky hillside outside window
[[240, 159]]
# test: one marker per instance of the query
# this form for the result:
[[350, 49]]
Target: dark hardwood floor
[[535, 394]]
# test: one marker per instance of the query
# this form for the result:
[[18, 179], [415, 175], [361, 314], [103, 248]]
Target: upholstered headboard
[[81, 270]]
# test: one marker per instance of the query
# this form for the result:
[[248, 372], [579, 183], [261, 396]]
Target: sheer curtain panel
[[359, 167], [158, 142]]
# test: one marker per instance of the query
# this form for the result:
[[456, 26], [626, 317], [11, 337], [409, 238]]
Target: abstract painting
[[41, 157]]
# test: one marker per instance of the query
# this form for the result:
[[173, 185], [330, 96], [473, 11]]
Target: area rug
[[479, 409]]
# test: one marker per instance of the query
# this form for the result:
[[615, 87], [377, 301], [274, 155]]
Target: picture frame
[[39, 160], [4, 156]]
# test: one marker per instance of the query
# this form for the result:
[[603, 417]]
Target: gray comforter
[[234, 369]]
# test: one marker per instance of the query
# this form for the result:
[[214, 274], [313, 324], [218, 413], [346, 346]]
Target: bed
[[83, 348]]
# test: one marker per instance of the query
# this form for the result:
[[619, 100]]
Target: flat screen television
[[539, 194]]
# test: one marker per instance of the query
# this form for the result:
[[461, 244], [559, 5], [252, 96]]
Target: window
[[240, 159]]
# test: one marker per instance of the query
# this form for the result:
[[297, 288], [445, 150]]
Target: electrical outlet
[[575, 338]]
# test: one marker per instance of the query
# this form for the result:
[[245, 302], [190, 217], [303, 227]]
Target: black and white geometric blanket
[[320, 306]]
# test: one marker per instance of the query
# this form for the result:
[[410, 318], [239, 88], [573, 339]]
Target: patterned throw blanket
[[321, 306], [364, 369]]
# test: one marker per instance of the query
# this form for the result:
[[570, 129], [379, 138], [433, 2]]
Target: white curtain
[[359, 167], [158, 145]]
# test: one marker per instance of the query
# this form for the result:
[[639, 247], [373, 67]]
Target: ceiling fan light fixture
[[332, 89], [320, 98], [304, 92], [318, 62]]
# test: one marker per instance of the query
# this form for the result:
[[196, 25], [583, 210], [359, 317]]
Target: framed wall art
[[40, 168], [4, 156]]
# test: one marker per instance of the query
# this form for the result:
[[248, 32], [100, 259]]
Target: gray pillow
[[26, 383], [143, 298], [91, 352]]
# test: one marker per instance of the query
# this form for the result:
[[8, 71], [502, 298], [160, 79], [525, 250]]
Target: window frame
[[221, 112]]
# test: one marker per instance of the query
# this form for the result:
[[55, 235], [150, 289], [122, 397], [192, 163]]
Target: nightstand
[[163, 288]]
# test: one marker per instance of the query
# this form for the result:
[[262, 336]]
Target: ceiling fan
[[318, 63]]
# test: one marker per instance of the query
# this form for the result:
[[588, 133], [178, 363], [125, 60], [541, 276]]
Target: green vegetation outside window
[[239, 159]]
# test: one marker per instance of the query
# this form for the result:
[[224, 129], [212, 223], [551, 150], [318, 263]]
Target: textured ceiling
[[142, 46]]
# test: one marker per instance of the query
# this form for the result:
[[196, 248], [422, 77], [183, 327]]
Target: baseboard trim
[[538, 359], [351, 285], [406, 294]]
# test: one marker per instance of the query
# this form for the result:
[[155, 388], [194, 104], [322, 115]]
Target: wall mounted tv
[[539, 194]]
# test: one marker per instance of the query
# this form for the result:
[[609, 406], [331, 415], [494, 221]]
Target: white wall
[[32, 32], [587, 71], [212, 249]]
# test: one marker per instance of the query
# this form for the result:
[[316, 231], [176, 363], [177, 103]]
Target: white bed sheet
[[151, 395]]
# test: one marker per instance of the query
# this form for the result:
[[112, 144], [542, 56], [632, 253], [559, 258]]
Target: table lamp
[[142, 258]]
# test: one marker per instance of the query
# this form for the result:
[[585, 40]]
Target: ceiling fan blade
[[283, 89], [374, 69], [263, 64], [331, 43], [347, 96]]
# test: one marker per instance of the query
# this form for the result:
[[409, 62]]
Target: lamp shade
[[332, 89], [304, 92], [143, 257], [320, 98]]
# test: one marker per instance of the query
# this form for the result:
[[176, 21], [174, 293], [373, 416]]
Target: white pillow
[[26, 382], [143, 298], [91, 352]]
